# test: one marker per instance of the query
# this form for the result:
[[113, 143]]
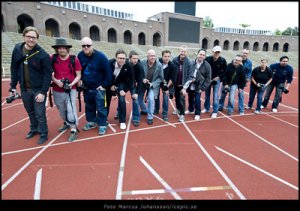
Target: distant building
[[242, 31]]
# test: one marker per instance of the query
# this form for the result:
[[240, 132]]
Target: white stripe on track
[[38, 184]]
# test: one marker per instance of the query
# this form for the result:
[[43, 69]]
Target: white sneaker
[[214, 115], [197, 117], [247, 107], [122, 126], [262, 106], [257, 112], [181, 118], [274, 110], [188, 112], [175, 112], [204, 111], [242, 113]]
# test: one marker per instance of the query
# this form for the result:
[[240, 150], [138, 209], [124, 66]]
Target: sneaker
[[214, 115], [31, 134], [220, 109], [102, 130], [204, 111], [165, 118], [197, 117], [89, 126], [175, 112], [257, 112], [262, 106], [229, 113], [42, 139], [64, 127], [136, 123], [156, 112], [150, 121], [188, 112], [122, 126], [242, 113], [73, 136], [248, 107], [181, 118], [274, 110]]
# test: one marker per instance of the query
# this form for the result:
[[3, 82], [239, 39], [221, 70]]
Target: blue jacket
[[96, 70], [247, 68], [281, 73], [39, 65]]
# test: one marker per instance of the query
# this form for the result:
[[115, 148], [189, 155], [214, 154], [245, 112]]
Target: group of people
[[101, 79]]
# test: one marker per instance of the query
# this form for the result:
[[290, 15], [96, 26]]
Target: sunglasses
[[86, 46]]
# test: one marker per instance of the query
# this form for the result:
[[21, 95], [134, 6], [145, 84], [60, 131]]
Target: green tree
[[277, 32], [291, 31], [208, 22], [244, 25]]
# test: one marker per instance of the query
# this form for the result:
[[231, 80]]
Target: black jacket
[[39, 65], [139, 75], [239, 78], [170, 72]]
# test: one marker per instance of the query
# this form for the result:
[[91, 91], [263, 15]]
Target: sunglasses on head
[[86, 46]]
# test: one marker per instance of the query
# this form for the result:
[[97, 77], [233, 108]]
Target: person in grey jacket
[[184, 69], [200, 81], [153, 77]]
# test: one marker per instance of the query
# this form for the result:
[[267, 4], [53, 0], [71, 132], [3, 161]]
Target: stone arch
[[276, 46], [204, 43], [285, 47], [266, 46], [226, 45], [23, 21], [74, 31], [52, 28], [256, 46], [157, 39], [142, 38], [216, 42], [246, 45], [236, 45], [112, 35], [128, 37], [94, 33]]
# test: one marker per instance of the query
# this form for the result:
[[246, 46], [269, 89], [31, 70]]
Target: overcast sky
[[260, 15]]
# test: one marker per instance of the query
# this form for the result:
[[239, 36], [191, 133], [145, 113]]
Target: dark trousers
[[179, 100], [36, 112], [277, 97]]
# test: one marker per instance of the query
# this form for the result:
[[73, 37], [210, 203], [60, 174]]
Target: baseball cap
[[216, 49]]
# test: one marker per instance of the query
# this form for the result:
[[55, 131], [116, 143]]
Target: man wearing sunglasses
[[96, 77]]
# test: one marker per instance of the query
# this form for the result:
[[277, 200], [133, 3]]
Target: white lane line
[[281, 120], [38, 184], [235, 189], [259, 169], [161, 180], [159, 191], [122, 162], [264, 140], [15, 104], [112, 128], [164, 121]]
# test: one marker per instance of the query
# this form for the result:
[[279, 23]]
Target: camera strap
[[67, 120]]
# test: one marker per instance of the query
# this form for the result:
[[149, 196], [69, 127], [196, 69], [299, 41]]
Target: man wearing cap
[[218, 66], [30, 66], [96, 78], [65, 78]]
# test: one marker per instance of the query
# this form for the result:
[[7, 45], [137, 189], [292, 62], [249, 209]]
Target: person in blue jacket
[[96, 78], [281, 80]]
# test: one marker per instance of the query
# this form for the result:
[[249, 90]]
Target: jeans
[[253, 91], [194, 101], [96, 106], [241, 100], [150, 101], [36, 112], [136, 116], [215, 97], [222, 98], [165, 105], [179, 100], [278, 94], [141, 101], [231, 98]]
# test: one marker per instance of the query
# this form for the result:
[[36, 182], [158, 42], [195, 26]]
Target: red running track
[[238, 157]]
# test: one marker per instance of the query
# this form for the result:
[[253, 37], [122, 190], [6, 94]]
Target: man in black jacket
[[31, 67]]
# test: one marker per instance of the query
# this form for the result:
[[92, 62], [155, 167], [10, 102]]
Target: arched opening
[[226, 45], [204, 43], [94, 33], [256, 46], [276, 47], [142, 39], [285, 47], [266, 46], [74, 31], [52, 28], [246, 45], [157, 39], [23, 21], [112, 35], [236, 45], [216, 42], [127, 37]]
